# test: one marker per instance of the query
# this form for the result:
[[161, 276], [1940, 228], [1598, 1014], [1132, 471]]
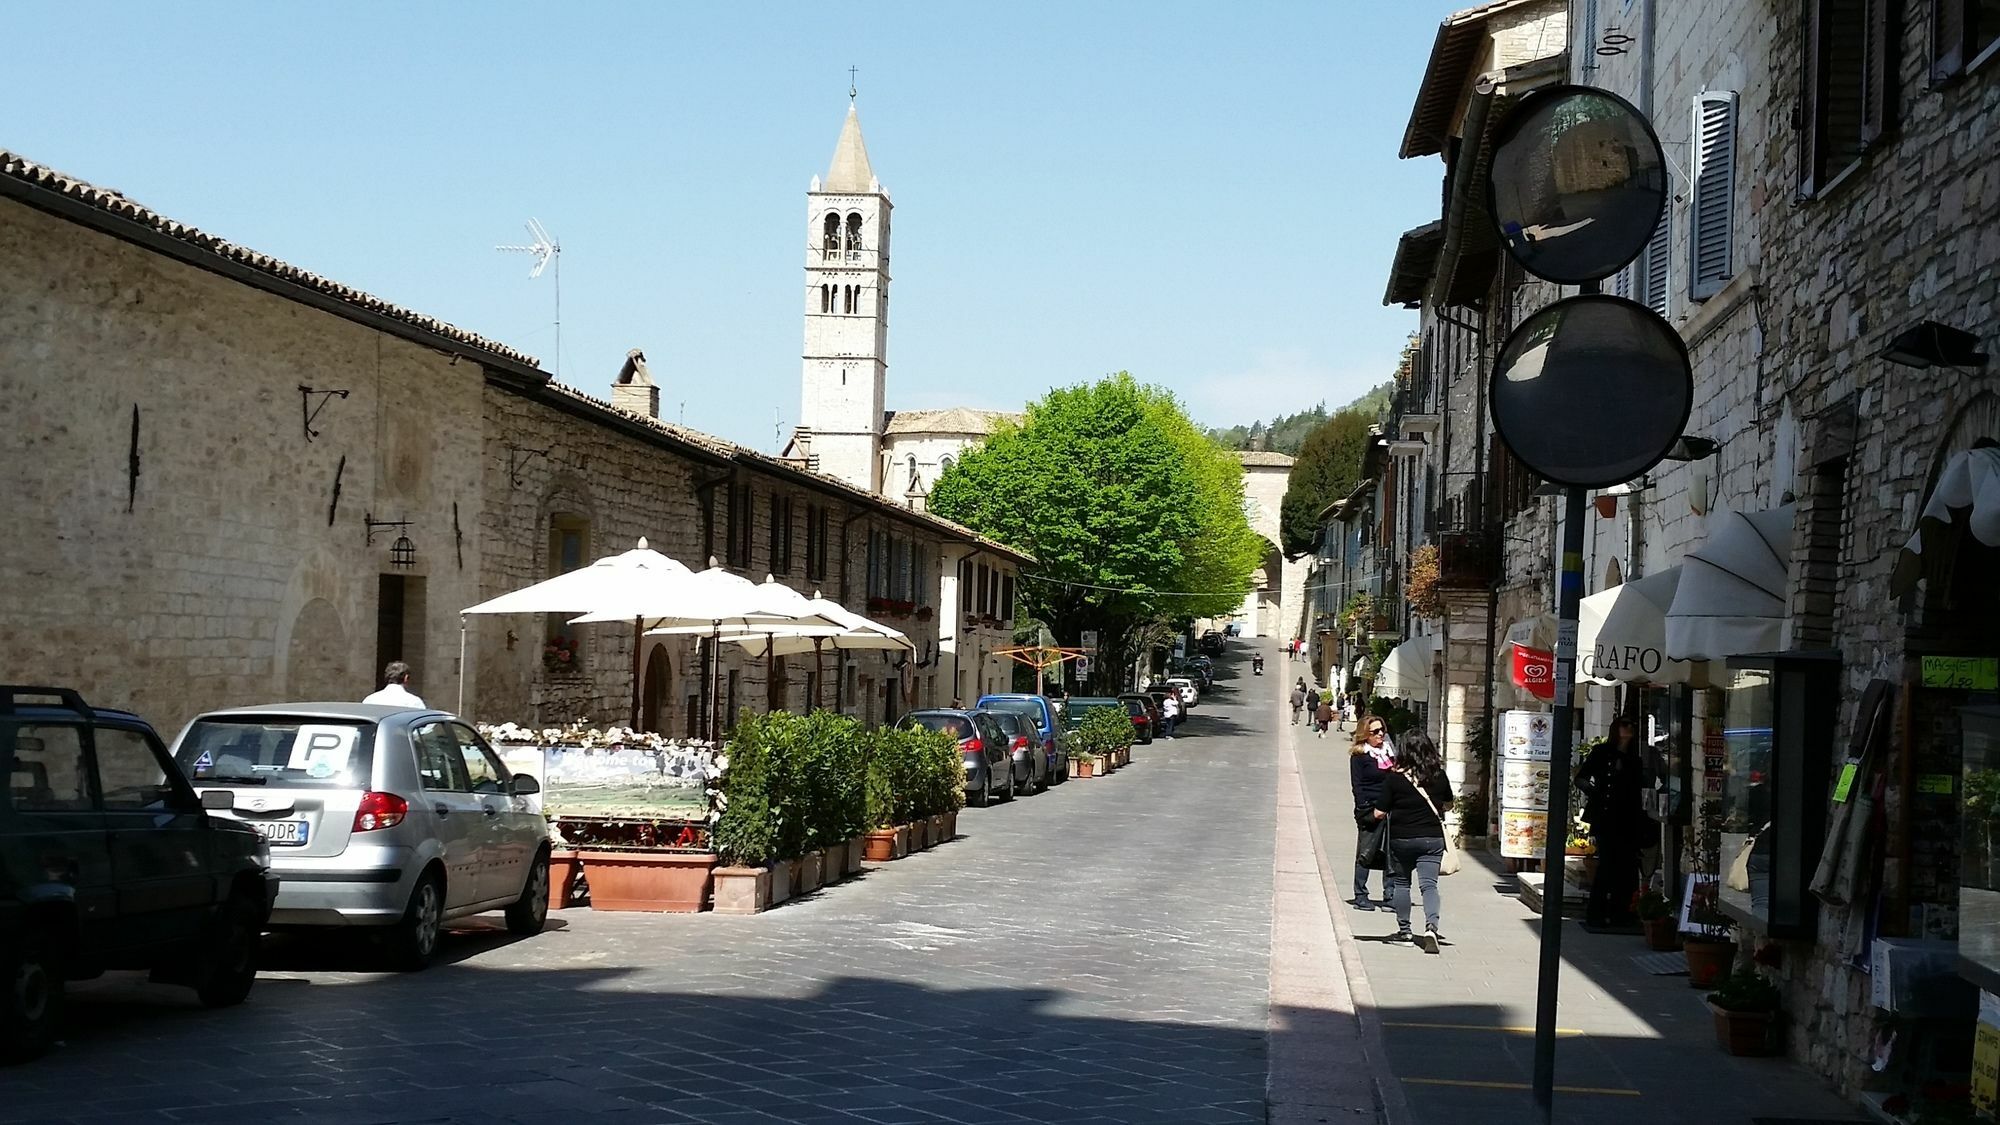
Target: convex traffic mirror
[[1577, 185]]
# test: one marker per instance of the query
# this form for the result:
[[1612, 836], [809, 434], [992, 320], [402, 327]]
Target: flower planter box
[[951, 826], [564, 871], [676, 882], [833, 868], [1104, 765], [1749, 1034], [879, 845], [812, 868], [1707, 960], [938, 834], [854, 854], [783, 874], [920, 834], [742, 890]]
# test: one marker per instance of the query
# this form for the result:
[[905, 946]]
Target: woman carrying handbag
[[1414, 797], [1367, 764]]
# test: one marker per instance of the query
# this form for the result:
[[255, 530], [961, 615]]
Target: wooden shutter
[[1948, 39], [1878, 81], [1621, 283], [1656, 262], [1588, 67], [1711, 218], [1812, 43]]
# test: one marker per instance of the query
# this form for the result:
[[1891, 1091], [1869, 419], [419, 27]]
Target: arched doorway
[[317, 660], [655, 701]]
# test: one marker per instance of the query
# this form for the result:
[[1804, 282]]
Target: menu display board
[[1525, 743]]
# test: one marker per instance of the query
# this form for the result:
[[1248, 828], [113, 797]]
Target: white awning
[[1621, 633], [1732, 594], [1406, 671], [1966, 499]]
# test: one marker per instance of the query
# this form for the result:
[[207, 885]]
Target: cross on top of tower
[[852, 90]]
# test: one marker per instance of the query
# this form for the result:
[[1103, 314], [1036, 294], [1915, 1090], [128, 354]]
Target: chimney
[[633, 389]]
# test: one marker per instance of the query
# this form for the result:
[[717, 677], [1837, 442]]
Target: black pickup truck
[[108, 860]]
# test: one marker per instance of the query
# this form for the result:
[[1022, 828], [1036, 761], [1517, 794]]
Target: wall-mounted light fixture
[[402, 552], [1690, 448], [1931, 344]]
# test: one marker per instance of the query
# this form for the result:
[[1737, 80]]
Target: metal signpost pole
[[1555, 845]]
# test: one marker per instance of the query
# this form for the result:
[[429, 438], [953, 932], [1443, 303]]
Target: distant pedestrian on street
[[1611, 779], [1367, 764], [395, 690], [1414, 797], [1170, 711], [1298, 701], [1324, 716]]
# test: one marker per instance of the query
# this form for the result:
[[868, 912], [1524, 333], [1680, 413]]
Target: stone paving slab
[[1096, 954], [1457, 1027]]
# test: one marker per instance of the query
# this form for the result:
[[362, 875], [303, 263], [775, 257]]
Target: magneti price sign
[[1962, 673]]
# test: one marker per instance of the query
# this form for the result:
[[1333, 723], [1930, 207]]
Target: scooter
[[1257, 665]]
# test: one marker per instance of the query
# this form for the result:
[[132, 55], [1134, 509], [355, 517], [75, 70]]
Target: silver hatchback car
[[377, 816]]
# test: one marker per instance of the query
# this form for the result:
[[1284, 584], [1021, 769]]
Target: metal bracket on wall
[[308, 411], [375, 525], [132, 465], [333, 505], [457, 536], [517, 457]]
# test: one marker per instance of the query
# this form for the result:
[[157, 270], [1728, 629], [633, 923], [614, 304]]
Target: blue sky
[[1207, 195]]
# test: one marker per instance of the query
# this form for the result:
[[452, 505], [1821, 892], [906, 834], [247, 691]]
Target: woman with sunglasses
[[1367, 764], [1414, 797]]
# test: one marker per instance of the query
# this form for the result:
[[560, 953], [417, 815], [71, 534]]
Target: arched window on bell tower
[[826, 298], [854, 232], [832, 243]]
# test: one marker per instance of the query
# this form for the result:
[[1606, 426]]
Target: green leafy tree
[[1327, 469], [1133, 514]]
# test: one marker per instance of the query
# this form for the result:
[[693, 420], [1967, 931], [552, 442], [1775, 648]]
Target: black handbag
[[1371, 849]]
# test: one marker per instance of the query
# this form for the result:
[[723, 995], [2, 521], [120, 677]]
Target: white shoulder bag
[[1447, 863]]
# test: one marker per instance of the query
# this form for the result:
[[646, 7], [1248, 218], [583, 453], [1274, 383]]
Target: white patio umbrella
[[610, 585], [1732, 594], [716, 602], [854, 633]]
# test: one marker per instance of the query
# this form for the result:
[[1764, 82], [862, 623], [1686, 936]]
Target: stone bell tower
[[847, 315]]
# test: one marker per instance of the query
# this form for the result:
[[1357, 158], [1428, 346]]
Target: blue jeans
[[1421, 855]]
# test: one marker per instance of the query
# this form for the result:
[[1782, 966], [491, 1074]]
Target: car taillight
[[1020, 742], [970, 746], [379, 810]]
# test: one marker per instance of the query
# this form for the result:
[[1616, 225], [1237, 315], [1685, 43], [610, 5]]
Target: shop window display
[[1778, 750]]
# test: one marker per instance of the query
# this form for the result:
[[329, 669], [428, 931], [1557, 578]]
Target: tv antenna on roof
[[546, 251]]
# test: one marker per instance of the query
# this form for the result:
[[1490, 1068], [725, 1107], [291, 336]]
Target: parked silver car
[[378, 817]]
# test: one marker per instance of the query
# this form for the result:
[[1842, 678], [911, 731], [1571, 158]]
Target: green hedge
[[1105, 730], [799, 782]]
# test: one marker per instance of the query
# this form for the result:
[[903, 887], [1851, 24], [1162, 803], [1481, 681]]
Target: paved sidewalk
[[1456, 1029]]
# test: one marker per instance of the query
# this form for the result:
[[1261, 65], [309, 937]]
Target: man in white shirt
[[395, 688], [1170, 710]]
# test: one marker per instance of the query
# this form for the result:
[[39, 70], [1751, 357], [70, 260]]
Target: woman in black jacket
[[1414, 797], [1367, 764]]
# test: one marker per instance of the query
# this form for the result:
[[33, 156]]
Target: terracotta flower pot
[[1662, 934], [783, 874], [1083, 767], [1745, 1033], [812, 869], [742, 890], [879, 845], [564, 870], [651, 881], [1707, 960]]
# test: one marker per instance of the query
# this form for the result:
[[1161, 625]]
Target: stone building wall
[[227, 574], [1912, 234]]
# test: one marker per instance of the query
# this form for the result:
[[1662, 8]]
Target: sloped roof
[[113, 212], [1263, 459], [1415, 264], [850, 173], [1458, 41], [954, 420]]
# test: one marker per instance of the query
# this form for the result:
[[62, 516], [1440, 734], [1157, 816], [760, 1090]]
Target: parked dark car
[[982, 745], [108, 860], [1145, 718], [1042, 714], [1211, 643], [1024, 749]]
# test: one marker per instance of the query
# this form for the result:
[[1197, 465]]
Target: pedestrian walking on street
[[1170, 711], [1324, 716], [1298, 701], [1368, 763], [1611, 779], [1414, 797], [395, 690]]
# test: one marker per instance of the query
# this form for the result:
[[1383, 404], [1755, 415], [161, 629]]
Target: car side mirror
[[219, 799], [525, 785]]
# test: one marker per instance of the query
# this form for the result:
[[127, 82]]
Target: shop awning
[[1406, 671], [1966, 499], [1621, 633], [1732, 593]]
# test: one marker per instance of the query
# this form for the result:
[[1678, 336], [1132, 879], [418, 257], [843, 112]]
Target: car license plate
[[282, 831]]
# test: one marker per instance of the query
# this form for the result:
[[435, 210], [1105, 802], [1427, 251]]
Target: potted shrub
[[1746, 1014], [1705, 939], [744, 834], [1656, 914]]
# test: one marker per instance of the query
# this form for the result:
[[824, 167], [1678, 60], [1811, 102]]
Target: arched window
[[944, 464], [915, 480], [850, 298], [854, 231], [826, 298], [832, 243]]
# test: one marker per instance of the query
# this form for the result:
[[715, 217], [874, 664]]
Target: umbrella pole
[[715, 685], [636, 631], [461, 665], [770, 667], [819, 674]]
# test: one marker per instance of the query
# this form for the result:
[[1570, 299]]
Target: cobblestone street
[[1096, 953]]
